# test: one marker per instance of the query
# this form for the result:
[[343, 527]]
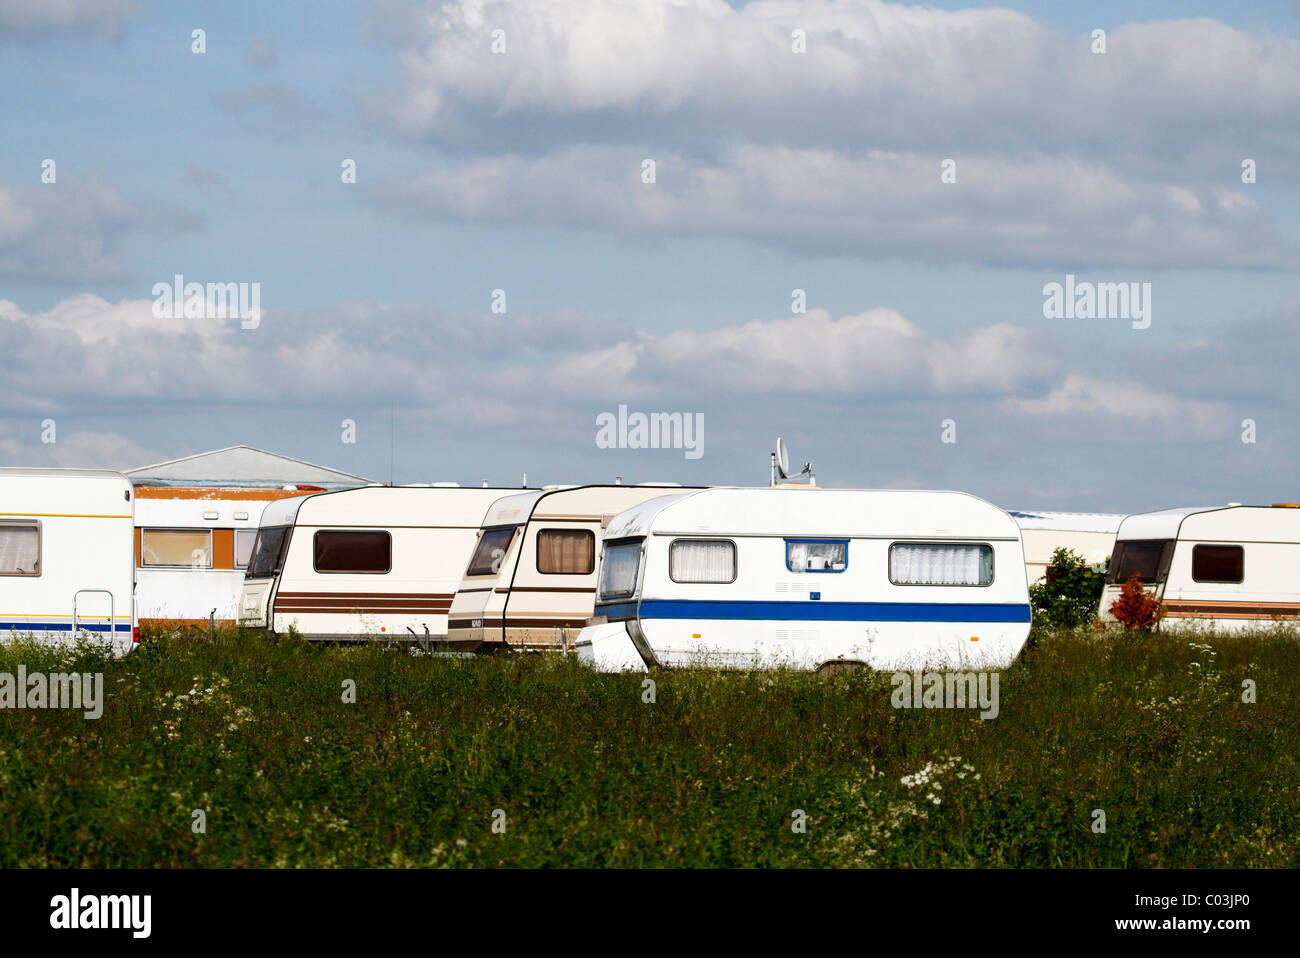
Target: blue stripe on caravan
[[814, 611], [616, 610], [58, 627]]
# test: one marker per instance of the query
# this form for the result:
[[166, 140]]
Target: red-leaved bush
[[1135, 608]]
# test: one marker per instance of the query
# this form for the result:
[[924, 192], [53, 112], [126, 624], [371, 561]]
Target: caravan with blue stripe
[[67, 557], [805, 577]]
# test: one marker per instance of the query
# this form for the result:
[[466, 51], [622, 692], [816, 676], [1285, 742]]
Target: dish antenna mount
[[781, 466]]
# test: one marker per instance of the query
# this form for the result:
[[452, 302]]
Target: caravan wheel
[[838, 668]]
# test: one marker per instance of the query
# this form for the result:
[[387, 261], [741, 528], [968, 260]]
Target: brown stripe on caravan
[[1230, 609], [520, 622], [558, 517], [368, 602], [547, 588], [368, 595]]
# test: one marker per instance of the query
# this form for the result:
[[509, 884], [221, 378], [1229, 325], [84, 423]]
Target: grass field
[[254, 731]]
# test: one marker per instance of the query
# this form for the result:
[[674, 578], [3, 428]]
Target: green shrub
[[1068, 595]]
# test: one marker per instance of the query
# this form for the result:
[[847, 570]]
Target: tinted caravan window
[[619, 568], [566, 551], [1218, 563], [268, 552], [492, 548], [353, 550], [1148, 559]]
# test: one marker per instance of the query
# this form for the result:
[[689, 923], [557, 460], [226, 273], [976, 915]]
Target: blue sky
[[522, 176]]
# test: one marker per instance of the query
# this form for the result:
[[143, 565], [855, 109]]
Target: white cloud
[[107, 16], [69, 231], [1039, 210], [874, 73], [1118, 406]]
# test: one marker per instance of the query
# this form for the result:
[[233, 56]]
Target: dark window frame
[[1163, 561], [315, 551], [1226, 547], [488, 530]]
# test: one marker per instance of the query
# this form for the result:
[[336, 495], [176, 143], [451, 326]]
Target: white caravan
[[1089, 534], [192, 545], [1230, 567], [807, 577], [66, 568], [531, 580], [377, 562]]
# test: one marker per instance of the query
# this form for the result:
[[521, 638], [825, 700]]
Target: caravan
[[375, 562], [1229, 567], [66, 569], [808, 577], [1087, 534], [192, 545], [531, 581]]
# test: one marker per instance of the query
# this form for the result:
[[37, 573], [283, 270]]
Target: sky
[[855, 215]]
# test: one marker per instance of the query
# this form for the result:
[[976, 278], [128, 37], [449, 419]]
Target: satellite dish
[[782, 458]]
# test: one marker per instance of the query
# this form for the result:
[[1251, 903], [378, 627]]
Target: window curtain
[[20, 548], [176, 548], [566, 551], [941, 564], [703, 561]]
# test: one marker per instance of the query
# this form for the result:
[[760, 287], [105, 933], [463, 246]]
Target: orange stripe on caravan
[[212, 492]]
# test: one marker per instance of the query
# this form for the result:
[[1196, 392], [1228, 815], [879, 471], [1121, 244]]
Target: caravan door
[[93, 615]]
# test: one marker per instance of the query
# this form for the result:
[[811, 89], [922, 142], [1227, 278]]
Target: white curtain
[[941, 564], [708, 560], [20, 548], [619, 567]]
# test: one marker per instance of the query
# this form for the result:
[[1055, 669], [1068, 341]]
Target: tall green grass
[[253, 730]]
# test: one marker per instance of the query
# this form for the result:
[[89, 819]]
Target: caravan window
[[619, 568], [921, 563], [1148, 559], [244, 546], [702, 560], [816, 555], [368, 551], [20, 547], [268, 552], [566, 551], [492, 548], [1218, 563], [176, 548]]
